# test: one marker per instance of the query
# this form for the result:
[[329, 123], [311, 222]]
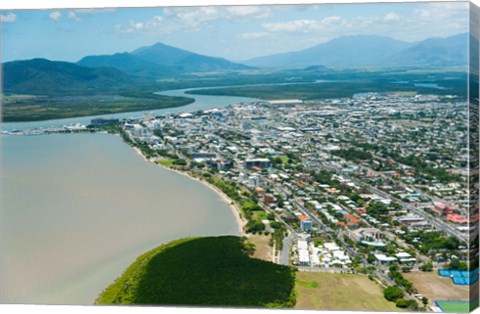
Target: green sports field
[[454, 306]]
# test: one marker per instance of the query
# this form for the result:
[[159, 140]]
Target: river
[[202, 102], [77, 209]]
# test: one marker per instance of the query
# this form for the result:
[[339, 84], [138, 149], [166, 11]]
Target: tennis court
[[453, 306], [460, 277]]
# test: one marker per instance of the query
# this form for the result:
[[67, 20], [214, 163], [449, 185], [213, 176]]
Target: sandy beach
[[139, 152], [241, 222]]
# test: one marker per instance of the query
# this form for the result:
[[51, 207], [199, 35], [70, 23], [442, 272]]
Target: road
[[285, 253], [433, 221]]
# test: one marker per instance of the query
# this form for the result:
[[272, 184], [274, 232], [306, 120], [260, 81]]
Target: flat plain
[[434, 287], [326, 291]]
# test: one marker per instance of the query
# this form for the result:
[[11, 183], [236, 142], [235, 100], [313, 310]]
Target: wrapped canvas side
[[473, 100]]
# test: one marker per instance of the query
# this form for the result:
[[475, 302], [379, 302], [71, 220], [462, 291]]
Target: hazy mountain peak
[[371, 50]]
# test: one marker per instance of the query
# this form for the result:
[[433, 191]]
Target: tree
[[427, 266], [248, 248], [393, 293], [402, 303], [180, 162], [425, 300], [456, 264]]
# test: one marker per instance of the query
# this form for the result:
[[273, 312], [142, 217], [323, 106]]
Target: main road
[[434, 222]]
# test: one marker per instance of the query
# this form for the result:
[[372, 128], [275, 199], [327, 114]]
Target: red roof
[[302, 217], [352, 220], [361, 210], [459, 219]]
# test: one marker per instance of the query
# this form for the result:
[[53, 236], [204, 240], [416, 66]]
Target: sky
[[236, 33]]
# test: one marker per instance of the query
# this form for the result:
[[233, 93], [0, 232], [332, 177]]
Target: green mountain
[[45, 77], [185, 61], [160, 60], [161, 54], [127, 63]]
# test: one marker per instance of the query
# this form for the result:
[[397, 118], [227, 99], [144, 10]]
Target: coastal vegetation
[[18, 108], [203, 271], [40, 89], [335, 89], [249, 209]]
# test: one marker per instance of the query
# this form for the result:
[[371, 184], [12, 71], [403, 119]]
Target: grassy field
[[166, 162], [260, 215], [434, 287], [325, 291], [284, 159], [454, 307], [203, 271]]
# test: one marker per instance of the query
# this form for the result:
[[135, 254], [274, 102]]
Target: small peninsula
[[213, 271]]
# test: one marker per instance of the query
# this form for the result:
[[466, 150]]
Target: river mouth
[[201, 102]]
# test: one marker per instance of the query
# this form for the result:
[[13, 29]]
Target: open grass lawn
[[326, 291], [434, 287], [260, 215], [454, 307], [213, 271], [284, 159], [166, 162]]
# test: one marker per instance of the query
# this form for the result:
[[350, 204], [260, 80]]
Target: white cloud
[[73, 16], [55, 16], [256, 12], [252, 35], [391, 17], [418, 23], [95, 11], [9, 18], [193, 19], [305, 25]]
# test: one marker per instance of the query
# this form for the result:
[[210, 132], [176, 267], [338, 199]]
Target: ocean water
[[76, 210]]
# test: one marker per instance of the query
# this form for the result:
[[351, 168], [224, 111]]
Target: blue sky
[[236, 32]]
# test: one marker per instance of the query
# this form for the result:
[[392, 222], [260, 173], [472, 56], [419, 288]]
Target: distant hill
[[376, 51], [160, 60], [162, 54], [450, 51], [185, 61], [340, 52], [42, 76], [127, 63]]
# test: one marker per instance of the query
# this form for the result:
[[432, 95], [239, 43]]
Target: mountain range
[[161, 60], [45, 77], [373, 51], [143, 65]]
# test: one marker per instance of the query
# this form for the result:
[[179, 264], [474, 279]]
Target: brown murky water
[[78, 209]]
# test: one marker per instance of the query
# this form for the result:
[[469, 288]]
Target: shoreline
[[230, 203]]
